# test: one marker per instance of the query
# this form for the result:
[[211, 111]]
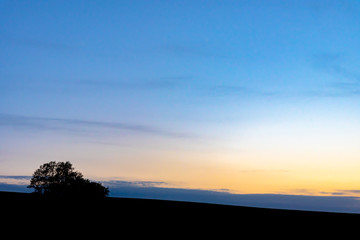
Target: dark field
[[145, 216]]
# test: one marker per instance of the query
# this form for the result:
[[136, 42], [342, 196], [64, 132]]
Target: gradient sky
[[243, 96]]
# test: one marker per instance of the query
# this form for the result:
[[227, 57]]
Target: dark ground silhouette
[[145, 216]]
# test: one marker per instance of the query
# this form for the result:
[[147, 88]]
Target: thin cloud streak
[[77, 124], [192, 50], [58, 47], [234, 90], [156, 83], [343, 192], [348, 83], [15, 180]]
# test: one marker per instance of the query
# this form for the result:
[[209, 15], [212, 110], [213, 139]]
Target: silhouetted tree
[[58, 179]]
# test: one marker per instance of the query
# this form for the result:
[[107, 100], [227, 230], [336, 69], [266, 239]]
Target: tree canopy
[[59, 179]]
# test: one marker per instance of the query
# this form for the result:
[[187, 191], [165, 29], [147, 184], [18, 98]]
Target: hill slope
[[153, 214]]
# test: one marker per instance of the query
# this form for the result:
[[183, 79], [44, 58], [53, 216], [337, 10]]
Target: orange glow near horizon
[[269, 161], [252, 174]]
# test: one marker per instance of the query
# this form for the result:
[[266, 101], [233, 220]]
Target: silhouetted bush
[[58, 179]]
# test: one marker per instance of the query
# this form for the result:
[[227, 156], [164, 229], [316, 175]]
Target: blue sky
[[250, 96]]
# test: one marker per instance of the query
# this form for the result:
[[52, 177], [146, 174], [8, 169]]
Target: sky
[[246, 97]]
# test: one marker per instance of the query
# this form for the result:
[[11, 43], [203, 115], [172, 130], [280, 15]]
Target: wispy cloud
[[200, 50], [183, 49], [263, 171], [345, 73], [120, 183], [346, 192], [15, 180], [332, 63], [150, 84], [332, 91], [346, 80], [36, 43], [61, 124], [235, 90], [57, 47]]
